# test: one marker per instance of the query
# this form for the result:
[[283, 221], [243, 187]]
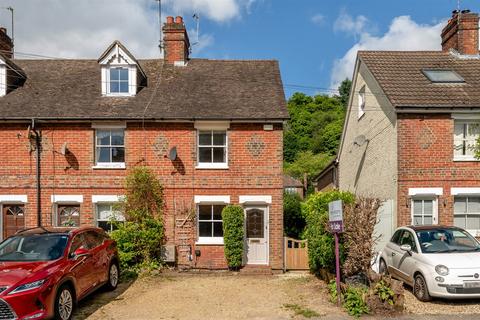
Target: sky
[[315, 41]]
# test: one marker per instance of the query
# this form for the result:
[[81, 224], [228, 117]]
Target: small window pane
[[103, 154], [217, 229], [460, 205], [473, 205], [417, 220], [205, 154], [123, 74], [446, 76], [218, 155], [103, 138], [114, 87], [205, 138], [473, 222], [204, 212], [104, 211], [417, 207], [118, 154], [219, 138], [114, 74], [428, 207], [123, 87], [205, 229], [459, 221], [427, 220], [117, 137], [217, 212]]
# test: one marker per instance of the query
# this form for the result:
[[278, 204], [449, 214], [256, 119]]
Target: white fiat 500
[[436, 261]]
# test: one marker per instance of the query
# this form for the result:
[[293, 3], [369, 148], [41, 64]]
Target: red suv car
[[45, 271]]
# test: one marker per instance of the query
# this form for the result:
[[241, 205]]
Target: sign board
[[335, 215]]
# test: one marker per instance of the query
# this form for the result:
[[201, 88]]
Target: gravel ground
[[437, 306], [217, 296]]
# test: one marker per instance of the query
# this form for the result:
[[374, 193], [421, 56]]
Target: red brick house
[[93, 120], [411, 131]]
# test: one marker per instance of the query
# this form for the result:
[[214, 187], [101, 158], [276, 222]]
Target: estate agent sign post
[[335, 215]]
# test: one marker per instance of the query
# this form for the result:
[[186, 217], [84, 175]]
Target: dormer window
[[122, 75]]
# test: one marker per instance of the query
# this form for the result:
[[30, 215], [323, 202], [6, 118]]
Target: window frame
[[97, 220], [131, 82], [474, 232], [212, 165], [362, 101], [424, 198], [212, 239], [109, 165], [465, 121]]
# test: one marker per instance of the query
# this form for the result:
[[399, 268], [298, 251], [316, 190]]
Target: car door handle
[[393, 253]]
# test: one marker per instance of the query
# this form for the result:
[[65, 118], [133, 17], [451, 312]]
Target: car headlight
[[442, 270], [28, 286]]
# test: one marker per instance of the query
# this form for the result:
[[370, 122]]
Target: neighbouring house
[[292, 185], [411, 129], [327, 179], [93, 120]]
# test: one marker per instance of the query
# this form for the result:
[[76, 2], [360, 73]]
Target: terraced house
[[210, 129], [412, 128]]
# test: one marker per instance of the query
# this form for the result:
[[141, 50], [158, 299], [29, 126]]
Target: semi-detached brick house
[[98, 119], [411, 128]]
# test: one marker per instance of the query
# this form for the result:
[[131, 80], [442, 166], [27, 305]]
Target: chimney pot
[[454, 12], [169, 20], [176, 42], [466, 11], [178, 19]]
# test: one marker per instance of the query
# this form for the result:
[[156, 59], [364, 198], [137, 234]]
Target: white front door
[[256, 234]]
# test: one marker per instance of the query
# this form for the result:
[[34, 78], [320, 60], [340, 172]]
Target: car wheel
[[113, 276], [64, 303], [382, 267], [420, 289]]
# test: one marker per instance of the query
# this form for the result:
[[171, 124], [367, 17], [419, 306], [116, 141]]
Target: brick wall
[[425, 159], [255, 168]]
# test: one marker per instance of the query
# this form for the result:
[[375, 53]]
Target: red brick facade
[[425, 160], [251, 172]]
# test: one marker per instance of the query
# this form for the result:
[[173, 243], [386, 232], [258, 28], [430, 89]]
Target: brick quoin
[[425, 159], [248, 174]]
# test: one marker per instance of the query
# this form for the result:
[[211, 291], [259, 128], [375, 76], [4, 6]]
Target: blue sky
[[314, 40]]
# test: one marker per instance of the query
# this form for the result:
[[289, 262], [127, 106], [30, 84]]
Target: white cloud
[[404, 34], [318, 19], [84, 28], [349, 24]]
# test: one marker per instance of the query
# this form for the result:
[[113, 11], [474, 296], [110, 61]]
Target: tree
[[293, 221], [307, 162], [344, 91]]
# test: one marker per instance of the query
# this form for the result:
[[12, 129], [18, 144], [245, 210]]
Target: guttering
[[193, 119], [436, 109]]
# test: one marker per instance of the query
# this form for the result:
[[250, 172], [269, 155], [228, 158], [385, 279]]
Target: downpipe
[[38, 185]]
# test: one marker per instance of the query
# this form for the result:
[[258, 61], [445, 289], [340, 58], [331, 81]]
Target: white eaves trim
[[255, 199], [67, 198], [13, 198], [425, 191], [212, 125], [212, 199], [106, 198], [109, 125], [465, 116], [466, 191]]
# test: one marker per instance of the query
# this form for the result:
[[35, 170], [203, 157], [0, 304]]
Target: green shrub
[[233, 235], [293, 220], [354, 301], [321, 248], [140, 238], [332, 289], [384, 292]]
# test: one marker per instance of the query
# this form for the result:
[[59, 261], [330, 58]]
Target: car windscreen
[[445, 240], [37, 247]]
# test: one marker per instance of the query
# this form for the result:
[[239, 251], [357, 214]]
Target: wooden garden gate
[[296, 254]]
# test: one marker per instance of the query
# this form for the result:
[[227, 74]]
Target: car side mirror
[[406, 247], [79, 253]]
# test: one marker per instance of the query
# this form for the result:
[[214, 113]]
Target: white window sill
[[119, 165], [209, 241], [119, 95], [465, 159], [212, 166]]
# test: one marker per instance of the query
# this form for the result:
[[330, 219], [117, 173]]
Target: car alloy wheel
[[113, 275], [64, 304], [420, 289]]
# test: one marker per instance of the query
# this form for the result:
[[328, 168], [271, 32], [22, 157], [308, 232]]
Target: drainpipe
[[37, 153]]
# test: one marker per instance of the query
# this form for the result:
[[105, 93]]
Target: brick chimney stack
[[176, 42], [461, 33], [6, 44]]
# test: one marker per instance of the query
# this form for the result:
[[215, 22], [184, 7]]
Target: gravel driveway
[[217, 296]]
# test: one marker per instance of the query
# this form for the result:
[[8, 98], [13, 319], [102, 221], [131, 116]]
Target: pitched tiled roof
[[289, 181], [399, 73], [205, 89]]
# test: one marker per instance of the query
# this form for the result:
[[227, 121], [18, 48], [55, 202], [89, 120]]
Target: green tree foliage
[[293, 220], [344, 91], [321, 253], [233, 234], [307, 162], [139, 239]]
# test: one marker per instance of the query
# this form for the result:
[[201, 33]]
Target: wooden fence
[[296, 254]]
